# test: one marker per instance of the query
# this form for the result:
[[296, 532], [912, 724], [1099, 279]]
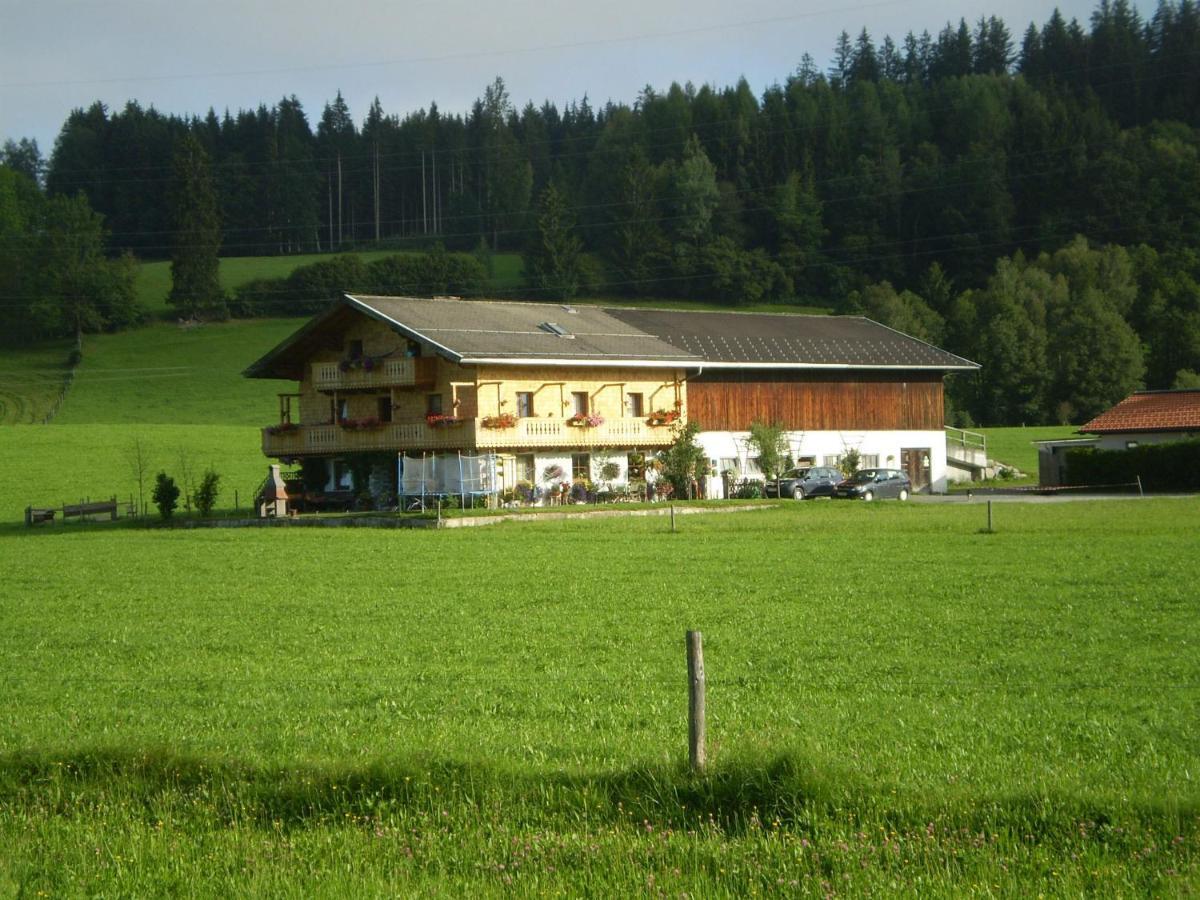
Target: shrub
[[206, 495], [166, 494], [850, 461], [1161, 467]]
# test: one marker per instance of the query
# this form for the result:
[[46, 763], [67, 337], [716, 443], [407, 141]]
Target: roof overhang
[[694, 363]]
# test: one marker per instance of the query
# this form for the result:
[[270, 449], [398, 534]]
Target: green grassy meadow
[[483, 711], [1014, 446], [171, 375], [898, 703]]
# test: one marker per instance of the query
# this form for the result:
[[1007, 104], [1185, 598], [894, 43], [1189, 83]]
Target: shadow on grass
[[735, 797]]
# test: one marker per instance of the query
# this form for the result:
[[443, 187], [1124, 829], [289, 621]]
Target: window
[[433, 404], [339, 409], [730, 464], [354, 349], [527, 468], [412, 349], [341, 476], [869, 460], [525, 404], [1130, 445], [383, 406], [581, 466], [634, 406], [834, 460], [579, 403]]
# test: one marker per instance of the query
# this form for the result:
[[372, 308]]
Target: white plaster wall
[[1118, 441], [819, 444]]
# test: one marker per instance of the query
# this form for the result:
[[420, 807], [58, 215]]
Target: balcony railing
[[329, 376], [470, 434]]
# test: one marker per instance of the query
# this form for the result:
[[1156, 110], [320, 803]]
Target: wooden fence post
[[697, 753], [1141, 493], [672, 518], [989, 517]]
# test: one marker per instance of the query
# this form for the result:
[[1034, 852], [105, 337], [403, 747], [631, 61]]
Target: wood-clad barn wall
[[727, 400]]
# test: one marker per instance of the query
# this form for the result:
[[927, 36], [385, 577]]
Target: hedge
[[1162, 467]]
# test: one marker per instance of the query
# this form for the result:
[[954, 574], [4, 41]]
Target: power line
[[472, 54]]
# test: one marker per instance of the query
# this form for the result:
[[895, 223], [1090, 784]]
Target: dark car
[[874, 484], [811, 481]]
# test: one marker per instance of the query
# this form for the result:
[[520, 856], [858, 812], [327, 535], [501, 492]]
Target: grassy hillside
[[1014, 446], [30, 381], [931, 712], [53, 465], [168, 374]]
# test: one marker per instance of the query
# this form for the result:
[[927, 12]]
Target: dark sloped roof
[[474, 331], [772, 338], [508, 330], [1150, 411]]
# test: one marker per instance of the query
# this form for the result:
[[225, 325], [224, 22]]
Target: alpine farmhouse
[[400, 395]]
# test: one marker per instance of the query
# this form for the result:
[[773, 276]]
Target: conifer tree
[[196, 234]]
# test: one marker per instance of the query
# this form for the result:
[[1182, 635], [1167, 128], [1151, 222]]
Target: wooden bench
[[97, 508], [35, 516]]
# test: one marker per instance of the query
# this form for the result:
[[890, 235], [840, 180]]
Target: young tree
[[683, 461], [206, 494], [137, 457], [769, 441], [165, 495], [187, 461], [196, 233]]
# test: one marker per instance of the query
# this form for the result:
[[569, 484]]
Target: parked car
[[873, 484], [799, 484]]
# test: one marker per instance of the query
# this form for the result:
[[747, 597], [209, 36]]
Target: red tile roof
[[1150, 411]]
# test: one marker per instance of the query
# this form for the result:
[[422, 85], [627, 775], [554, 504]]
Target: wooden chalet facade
[[535, 387]]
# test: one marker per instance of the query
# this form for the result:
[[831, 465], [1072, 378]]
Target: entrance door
[[915, 463]]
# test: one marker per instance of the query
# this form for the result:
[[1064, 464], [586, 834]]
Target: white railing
[[329, 375], [527, 433]]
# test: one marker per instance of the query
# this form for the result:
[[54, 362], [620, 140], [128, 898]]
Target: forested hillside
[[1031, 201]]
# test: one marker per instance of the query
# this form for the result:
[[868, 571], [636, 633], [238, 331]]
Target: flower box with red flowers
[[663, 417], [504, 420], [439, 420], [282, 428], [370, 423]]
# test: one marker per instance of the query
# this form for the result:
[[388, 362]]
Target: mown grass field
[[897, 704]]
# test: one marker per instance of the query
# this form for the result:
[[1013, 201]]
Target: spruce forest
[[1030, 201]]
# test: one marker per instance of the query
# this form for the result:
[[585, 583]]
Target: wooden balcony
[[404, 372], [528, 434]]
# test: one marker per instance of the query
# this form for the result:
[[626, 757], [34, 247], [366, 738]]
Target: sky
[[184, 56]]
